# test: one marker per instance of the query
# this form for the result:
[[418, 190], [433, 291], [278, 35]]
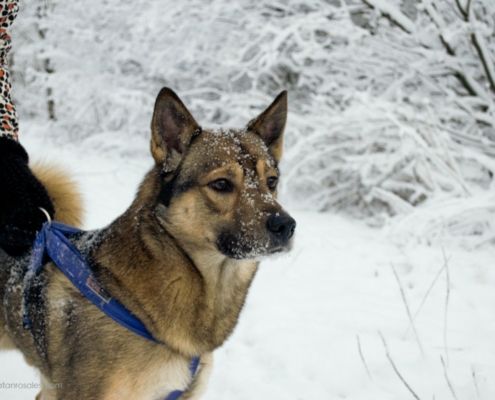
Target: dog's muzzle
[[282, 226]]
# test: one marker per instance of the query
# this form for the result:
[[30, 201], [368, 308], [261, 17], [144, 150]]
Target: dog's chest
[[153, 382]]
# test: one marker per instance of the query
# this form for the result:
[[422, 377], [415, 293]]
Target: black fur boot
[[21, 195]]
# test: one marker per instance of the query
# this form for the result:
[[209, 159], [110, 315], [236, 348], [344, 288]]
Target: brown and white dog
[[181, 259]]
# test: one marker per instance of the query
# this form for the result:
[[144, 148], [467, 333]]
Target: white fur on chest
[[157, 379]]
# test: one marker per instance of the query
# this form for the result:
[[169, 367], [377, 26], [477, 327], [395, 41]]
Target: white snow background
[[382, 135]]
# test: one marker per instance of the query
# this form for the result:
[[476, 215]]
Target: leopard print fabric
[[9, 123]]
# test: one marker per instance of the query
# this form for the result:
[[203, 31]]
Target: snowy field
[[313, 321]]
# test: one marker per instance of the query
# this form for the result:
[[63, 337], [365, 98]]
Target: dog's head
[[219, 186]]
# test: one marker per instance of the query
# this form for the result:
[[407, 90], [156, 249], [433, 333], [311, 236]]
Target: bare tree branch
[[474, 380], [396, 370], [478, 43], [447, 379], [411, 321], [393, 14], [461, 10], [446, 306], [427, 293], [362, 357]]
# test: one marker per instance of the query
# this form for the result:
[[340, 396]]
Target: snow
[[391, 121], [305, 313]]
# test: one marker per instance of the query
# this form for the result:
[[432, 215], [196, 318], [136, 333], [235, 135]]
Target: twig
[[393, 15], [426, 296], [446, 306], [468, 8], [447, 379], [362, 357], [483, 242], [457, 102], [431, 11], [461, 10], [478, 43], [474, 379], [407, 309], [396, 370], [485, 59]]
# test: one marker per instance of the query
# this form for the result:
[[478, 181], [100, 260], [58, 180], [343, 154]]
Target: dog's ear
[[270, 125], [172, 129]]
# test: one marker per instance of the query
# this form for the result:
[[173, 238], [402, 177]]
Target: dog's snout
[[281, 225]]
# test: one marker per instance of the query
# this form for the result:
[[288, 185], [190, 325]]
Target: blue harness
[[51, 240]]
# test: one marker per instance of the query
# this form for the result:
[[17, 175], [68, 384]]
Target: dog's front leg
[[48, 390]]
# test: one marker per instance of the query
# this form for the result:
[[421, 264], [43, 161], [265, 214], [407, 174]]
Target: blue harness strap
[[51, 240]]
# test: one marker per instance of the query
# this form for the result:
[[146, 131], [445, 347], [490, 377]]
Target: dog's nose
[[281, 225]]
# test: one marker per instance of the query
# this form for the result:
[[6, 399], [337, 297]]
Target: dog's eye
[[221, 185], [272, 182]]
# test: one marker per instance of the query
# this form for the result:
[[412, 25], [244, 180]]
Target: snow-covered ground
[[312, 322]]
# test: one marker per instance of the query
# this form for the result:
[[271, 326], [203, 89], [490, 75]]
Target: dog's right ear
[[172, 129]]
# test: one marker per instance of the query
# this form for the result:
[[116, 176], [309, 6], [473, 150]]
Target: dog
[[181, 259]]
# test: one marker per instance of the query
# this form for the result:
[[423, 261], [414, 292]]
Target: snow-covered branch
[[392, 107]]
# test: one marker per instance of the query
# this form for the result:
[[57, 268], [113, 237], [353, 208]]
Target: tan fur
[[181, 259], [6, 343], [63, 191], [48, 391]]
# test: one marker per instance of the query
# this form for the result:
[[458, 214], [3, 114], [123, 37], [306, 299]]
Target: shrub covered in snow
[[392, 101]]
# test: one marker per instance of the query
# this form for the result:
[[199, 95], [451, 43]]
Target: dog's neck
[[187, 298]]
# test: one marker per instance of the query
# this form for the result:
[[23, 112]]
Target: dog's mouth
[[240, 247]]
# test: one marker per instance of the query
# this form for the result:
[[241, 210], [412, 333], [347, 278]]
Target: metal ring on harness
[[47, 215]]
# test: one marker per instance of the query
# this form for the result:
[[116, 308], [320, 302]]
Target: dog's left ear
[[270, 125], [172, 129]]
